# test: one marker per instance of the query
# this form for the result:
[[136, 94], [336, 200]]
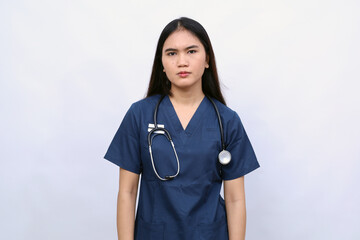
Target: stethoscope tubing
[[168, 136], [224, 156]]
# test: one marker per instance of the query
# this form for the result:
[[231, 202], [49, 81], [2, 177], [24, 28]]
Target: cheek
[[169, 73], [201, 61], [167, 64], [200, 65]]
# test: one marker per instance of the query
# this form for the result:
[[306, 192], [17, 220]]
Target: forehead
[[181, 39]]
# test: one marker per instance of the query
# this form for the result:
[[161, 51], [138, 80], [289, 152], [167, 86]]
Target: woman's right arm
[[126, 202]]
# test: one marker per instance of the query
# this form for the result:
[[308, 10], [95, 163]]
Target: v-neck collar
[[194, 121]]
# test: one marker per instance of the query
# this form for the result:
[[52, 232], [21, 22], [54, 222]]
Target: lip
[[183, 74]]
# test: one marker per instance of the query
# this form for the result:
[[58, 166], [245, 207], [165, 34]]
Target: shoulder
[[232, 124], [226, 113], [137, 112], [143, 104]]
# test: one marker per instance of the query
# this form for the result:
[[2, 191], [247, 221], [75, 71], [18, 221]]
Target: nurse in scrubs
[[187, 206]]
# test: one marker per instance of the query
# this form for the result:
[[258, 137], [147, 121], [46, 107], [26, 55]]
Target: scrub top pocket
[[213, 231], [149, 231]]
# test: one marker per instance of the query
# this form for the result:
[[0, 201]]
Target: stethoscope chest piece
[[224, 157]]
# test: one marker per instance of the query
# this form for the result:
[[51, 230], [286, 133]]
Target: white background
[[69, 70]]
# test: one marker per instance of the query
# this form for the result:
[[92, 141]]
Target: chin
[[184, 83]]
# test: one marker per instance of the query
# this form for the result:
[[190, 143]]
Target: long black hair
[[159, 83]]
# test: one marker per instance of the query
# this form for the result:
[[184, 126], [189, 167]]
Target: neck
[[186, 97]]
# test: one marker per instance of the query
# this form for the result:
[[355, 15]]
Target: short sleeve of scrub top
[[189, 206], [243, 158], [124, 148]]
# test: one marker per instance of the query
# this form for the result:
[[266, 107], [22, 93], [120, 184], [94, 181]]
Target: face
[[184, 59]]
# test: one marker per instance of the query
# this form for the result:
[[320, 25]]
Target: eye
[[171, 53], [192, 51]]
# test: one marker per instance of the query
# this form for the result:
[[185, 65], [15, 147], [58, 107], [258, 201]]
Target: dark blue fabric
[[189, 206]]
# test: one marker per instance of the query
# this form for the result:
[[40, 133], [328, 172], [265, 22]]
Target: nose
[[182, 60]]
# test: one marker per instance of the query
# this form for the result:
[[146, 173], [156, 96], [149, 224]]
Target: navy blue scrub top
[[189, 206]]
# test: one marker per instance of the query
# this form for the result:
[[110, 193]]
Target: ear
[[207, 61]]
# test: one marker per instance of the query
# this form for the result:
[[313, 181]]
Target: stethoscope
[[224, 156]]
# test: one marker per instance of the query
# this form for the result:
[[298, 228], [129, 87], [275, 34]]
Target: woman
[[180, 186]]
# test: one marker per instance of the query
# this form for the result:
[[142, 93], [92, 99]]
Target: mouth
[[183, 74]]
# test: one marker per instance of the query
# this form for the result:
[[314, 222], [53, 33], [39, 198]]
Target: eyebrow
[[174, 49]]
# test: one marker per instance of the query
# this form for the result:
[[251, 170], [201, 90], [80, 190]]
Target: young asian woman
[[172, 138]]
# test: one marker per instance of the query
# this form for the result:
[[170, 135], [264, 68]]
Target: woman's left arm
[[234, 194]]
